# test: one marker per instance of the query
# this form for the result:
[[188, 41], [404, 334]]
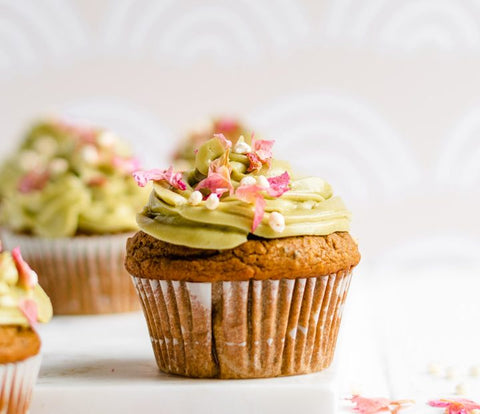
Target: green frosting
[[308, 207], [12, 293], [67, 180]]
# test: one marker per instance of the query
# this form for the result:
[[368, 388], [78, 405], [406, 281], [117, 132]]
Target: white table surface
[[395, 323]]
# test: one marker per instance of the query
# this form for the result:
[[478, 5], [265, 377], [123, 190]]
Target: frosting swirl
[[66, 179], [22, 301], [235, 191]]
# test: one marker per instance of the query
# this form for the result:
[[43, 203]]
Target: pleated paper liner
[[82, 274], [246, 329], [17, 380]]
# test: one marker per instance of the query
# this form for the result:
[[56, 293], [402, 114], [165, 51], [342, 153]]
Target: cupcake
[[242, 267], [23, 303], [68, 199], [184, 156]]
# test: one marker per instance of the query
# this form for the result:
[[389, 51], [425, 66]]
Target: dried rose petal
[[263, 149], [127, 165], [30, 310], [173, 178], [33, 180], [253, 194], [224, 141], [278, 185], [255, 162], [455, 405], [365, 405], [226, 125], [26, 276]]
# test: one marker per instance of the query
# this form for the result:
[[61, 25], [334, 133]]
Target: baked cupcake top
[[231, 128], [67, 180], [22, 301], [235, 191]]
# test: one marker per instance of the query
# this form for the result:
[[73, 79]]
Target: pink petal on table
[[173, 178], [29, 309], [365, 405], [455, 405], [278, 185], [26, 276]]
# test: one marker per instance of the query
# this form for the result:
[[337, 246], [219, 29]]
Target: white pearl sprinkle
[[450, 373], [195, 198], [58, 166], [212, 201], [89, 154], [461, 389], [276, 222], [107, 139], [435, 369], [248, 180], [262, 181], [241, 147]]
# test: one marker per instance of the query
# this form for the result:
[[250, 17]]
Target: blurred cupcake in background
[[231, 128], [23, 304], [68, 199]]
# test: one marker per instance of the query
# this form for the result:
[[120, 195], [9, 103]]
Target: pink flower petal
[[278, 185], [224, 141], [26, 276], [172, 178], [253, 194], [127, 165], [33, 180], [263, 148], [226, 125], [455, 405], [218, 183], [29, 309], [255, 162], [365, 405]]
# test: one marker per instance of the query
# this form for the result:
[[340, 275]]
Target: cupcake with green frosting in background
[[23, 304], [184, 155], [68, 199], [242, 266]]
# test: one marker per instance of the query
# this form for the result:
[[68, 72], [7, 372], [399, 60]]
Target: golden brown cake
[[242, 268]]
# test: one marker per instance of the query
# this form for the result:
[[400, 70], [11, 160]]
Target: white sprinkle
[[450, 373], [175, 341], [475, 371], [212, 202], [107, 139], [235, 343], [195, 198], [269, 341], [262, 181], [241, 147], [89, 154], [29, 160], [302, 329], [58, 166], [435, 369], [461, 389], [248, 180], [293, 333], [276, 222]]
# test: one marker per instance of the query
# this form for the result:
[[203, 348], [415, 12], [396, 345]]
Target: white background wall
[[380, 97]]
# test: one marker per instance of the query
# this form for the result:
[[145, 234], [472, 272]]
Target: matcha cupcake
[[68, 199], [184, 156], [23, 304], [242, 267]]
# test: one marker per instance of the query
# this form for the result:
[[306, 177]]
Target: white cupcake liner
[[82, 274], [17, 380], [245, 329]]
